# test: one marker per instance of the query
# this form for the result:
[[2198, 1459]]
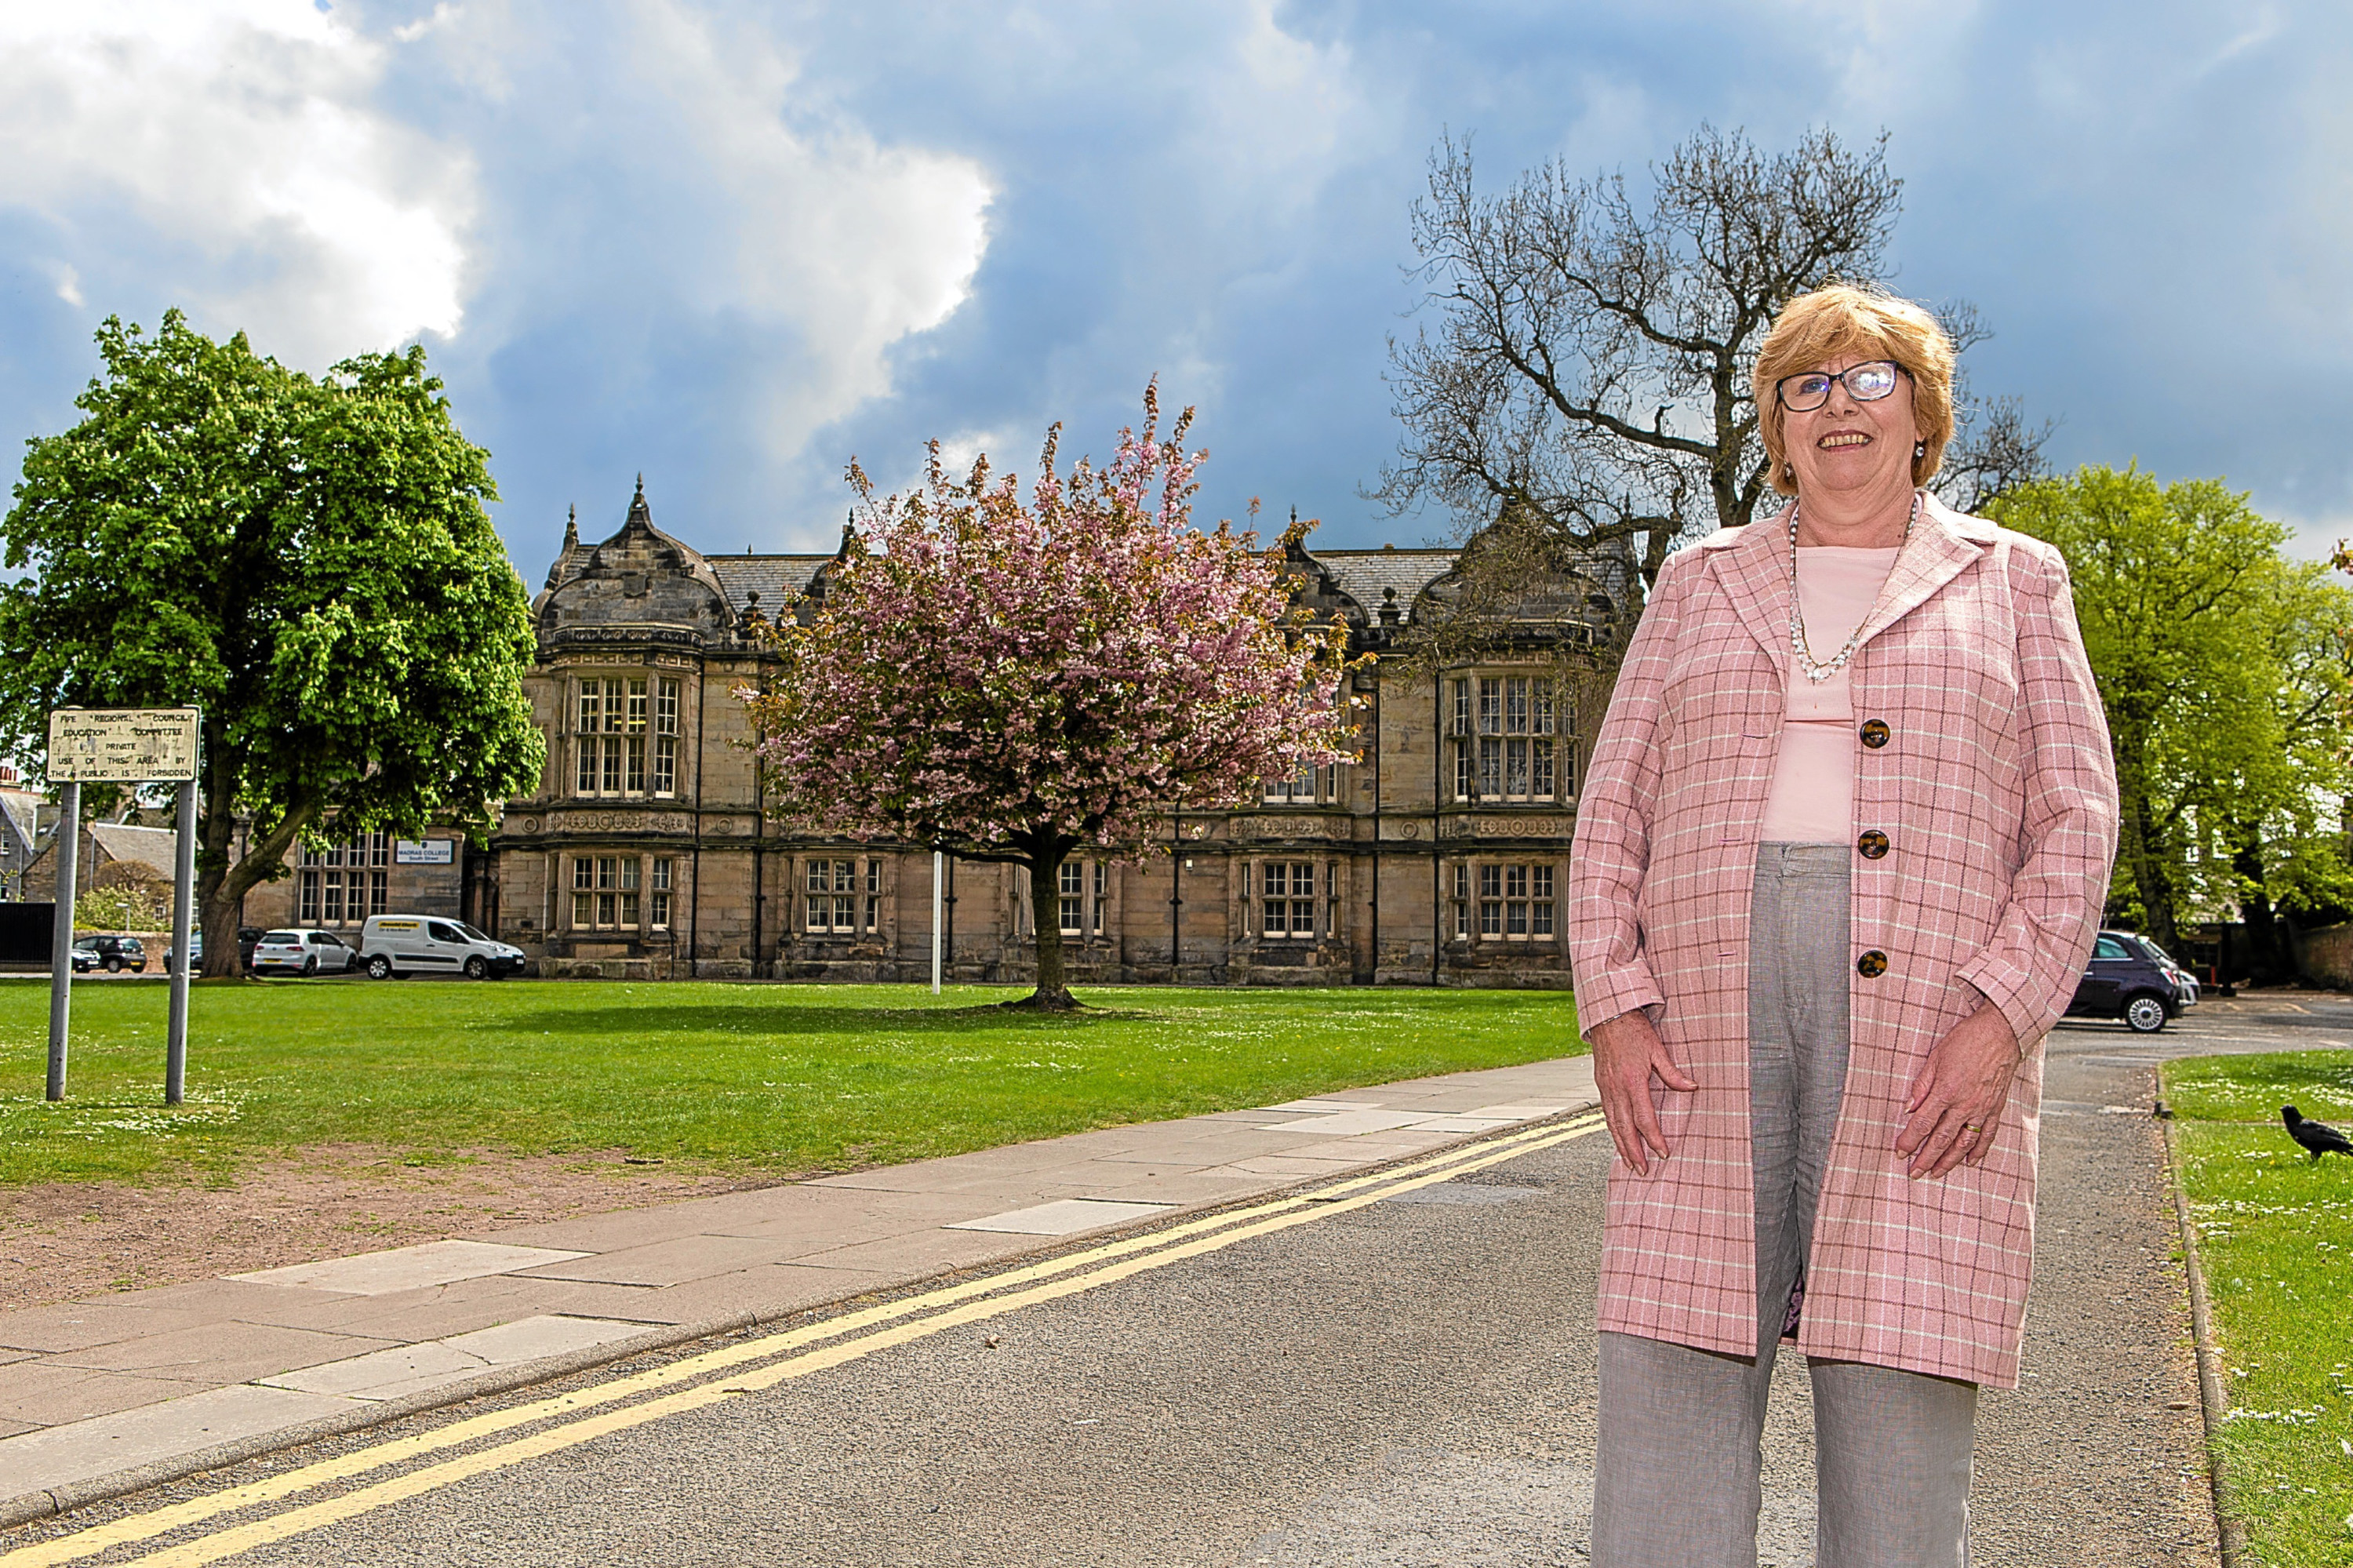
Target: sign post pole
[[69, 847], [937, 890], [184, 910]]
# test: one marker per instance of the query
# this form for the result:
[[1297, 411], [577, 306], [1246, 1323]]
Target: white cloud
[[443, 15], [240, 135], [815, 225]]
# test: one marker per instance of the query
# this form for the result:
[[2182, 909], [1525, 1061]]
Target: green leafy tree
[[2283, 824], [125, 906], [307, 560], [2223, 668]]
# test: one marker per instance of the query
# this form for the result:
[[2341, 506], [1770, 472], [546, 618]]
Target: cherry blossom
[[1011, 681]]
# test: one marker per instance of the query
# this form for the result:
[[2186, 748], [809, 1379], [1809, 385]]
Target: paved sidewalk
[[102, 1396]]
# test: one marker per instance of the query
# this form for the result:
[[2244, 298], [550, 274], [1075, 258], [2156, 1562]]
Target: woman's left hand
[[1957, 1097]]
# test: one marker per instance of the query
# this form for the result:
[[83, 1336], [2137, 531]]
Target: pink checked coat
[[1994, 784]]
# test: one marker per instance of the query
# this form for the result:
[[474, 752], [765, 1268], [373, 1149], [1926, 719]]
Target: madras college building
[[647, 851]]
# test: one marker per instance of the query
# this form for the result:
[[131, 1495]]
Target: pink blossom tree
[[1008, 681]]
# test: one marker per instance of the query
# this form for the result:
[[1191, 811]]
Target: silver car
[[304, 953]]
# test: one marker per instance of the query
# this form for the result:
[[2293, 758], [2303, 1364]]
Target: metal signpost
[[122, 745], [936, 858], [68, 846]]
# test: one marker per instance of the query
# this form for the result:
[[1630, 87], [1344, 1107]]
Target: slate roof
[[1363, 574], [778, 579], [22, 809], [781, 579], [151, 847]]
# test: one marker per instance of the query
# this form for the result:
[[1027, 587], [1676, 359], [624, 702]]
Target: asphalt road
[[1410, 1382]]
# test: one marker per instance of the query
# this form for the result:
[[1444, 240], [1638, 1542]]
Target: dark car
[[2130, 977], [247, 936], [112, 954]]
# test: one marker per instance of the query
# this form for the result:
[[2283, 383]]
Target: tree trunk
[[1046, 914], [221, 886], [2151, 877], [2268, 960]]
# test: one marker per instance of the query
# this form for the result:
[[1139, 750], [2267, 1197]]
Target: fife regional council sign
[[122, 745]]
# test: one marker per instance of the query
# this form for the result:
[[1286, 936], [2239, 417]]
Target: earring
[[1919, 449]]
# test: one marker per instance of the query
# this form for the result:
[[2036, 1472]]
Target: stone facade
[[24, 876], [647, 851], [336, 888]]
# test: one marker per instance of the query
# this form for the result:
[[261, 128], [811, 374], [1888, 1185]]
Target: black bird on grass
[[2316, 1137]]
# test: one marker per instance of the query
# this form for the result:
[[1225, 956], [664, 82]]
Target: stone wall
[[2327, 957]]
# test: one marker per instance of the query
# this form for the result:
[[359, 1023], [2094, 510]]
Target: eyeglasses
[[1865, 383]]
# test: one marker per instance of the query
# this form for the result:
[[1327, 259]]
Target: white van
[[403, 945]]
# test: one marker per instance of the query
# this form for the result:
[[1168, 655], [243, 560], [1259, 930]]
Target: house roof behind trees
[[1363, 574], [778, 579], [154, 848], [21, 809]]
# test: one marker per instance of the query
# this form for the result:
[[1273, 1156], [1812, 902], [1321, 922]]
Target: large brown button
[[1873, 844], [1874, 733], [1872, 964]]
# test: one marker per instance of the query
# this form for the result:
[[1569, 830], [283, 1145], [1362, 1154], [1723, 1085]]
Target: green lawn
[[780, 1079], [2277, 1241]]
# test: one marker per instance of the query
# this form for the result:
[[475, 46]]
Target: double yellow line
[[718, 1375]]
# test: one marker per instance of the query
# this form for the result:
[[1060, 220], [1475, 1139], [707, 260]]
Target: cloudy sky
[[731, 245]]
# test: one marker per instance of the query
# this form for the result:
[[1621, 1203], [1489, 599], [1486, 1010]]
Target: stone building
[[23, 815], [338, 886], [647, 849]]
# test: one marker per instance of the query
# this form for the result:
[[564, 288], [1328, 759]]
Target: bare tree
[[1519, 592], [1994, 449], [1589, 367]]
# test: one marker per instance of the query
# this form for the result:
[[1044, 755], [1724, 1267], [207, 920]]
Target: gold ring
[[1971, 1127]]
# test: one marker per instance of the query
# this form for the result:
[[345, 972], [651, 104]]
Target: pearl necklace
[[1813, 669]]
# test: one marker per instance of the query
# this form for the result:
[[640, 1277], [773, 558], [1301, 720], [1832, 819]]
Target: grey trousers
[[1681, 1430]]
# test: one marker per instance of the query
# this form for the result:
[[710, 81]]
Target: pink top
[[1812, 800]]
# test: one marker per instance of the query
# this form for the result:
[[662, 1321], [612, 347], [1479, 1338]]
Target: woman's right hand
[[1627, 1055]]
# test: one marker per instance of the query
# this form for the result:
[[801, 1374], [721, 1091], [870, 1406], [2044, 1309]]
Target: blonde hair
[[1844, 318]]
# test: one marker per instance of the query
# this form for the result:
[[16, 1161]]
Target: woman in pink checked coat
[[1840, 858]]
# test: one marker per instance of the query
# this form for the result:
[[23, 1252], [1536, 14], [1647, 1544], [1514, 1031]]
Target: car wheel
[[477, 968], [2145, 1014], [379, 967], [311, 964], [114, 966]]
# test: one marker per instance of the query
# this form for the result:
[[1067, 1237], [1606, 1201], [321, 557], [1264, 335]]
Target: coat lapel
[[1939, 550], [1754, 570]]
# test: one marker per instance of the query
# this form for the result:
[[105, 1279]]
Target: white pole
[[66, 845], [937, 860], [184, 905]]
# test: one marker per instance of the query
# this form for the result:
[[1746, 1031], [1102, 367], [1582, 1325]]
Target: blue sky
[[733, 245]]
